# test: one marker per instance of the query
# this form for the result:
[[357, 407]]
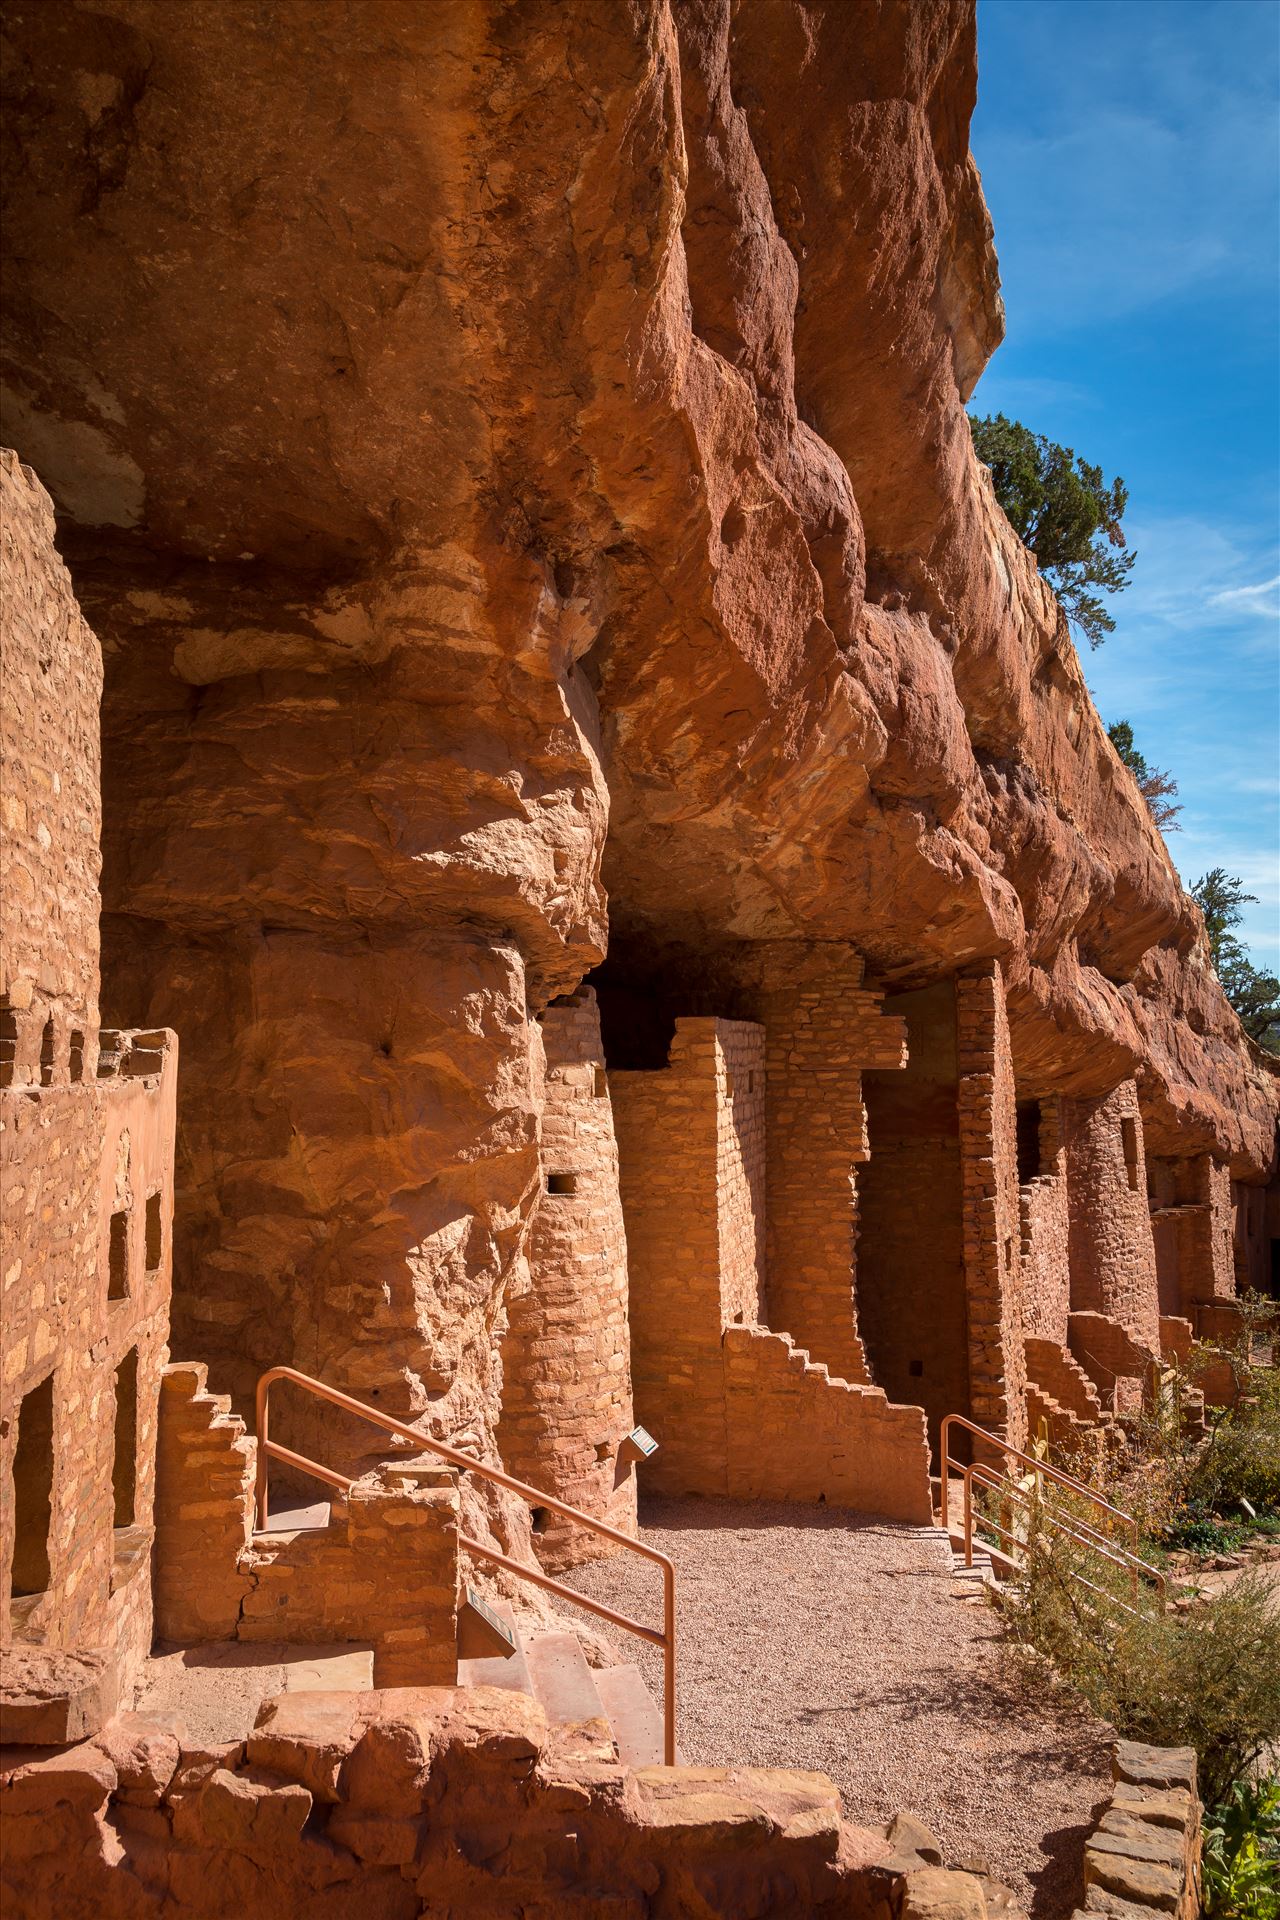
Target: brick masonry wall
[[86, 1152], [1045, 1272], [911, 1283], [566, 1393], [823, 1029], [204, 1509], [1112, 1252], [385, 1570], [992, 1230]]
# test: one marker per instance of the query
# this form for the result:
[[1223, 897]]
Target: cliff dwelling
[[642, 986]]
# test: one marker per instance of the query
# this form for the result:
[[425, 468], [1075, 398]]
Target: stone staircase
[[611, 1706]]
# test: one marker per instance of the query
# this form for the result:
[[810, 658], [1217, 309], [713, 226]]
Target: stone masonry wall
[[823, 1029], [740, 1410], [384, 1571], [1193, 1224], [566, 1363], [741, 1177], [911, 1282], [50, 808], [1112, 1254], [670, 1157], [795, 1433], [86, 1154], [1045, 1275], [992, 1234]]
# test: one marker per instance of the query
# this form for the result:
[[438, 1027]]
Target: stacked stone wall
[[668, 1129], [824, 1028], [383, 1572], [741, 1411], [86, 1154], [1111, 1250], [1043, 1234], [566, 1397], [992, 1230], [911, 1279]]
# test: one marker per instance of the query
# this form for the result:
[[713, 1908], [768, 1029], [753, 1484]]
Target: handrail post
[[260, 1474], [669, 1665], [968, 1515]]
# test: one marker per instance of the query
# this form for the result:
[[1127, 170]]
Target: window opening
[[33, 1491], [118, 1258], [155, 1233], [124, 1471]]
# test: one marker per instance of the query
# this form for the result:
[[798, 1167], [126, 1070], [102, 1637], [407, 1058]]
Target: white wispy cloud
[[1258, 598]]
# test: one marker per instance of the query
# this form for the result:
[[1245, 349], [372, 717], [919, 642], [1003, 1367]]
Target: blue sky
[[1131, 160]]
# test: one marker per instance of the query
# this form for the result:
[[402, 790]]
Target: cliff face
[[512, 452]]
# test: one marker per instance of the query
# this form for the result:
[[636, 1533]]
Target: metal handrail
[[1010, 1452], [1077, 1530], [664, 1637]]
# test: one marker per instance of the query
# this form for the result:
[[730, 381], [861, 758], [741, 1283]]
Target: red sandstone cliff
[[510, 452]]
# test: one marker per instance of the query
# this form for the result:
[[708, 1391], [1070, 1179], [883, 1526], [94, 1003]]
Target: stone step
[[509, 1670], [632, 1714], [562, 1680]]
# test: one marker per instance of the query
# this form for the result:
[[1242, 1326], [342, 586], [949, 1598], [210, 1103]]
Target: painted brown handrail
[[664, 1638], [1077, 1530]]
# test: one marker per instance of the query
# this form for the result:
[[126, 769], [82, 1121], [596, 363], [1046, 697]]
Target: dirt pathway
[[818, 1640]]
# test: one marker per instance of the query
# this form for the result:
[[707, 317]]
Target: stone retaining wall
[[1143, 1856]]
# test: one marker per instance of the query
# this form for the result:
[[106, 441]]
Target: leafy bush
[[1242, 1853]]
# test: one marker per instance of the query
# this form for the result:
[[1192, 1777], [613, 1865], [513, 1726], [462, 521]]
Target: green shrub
[[1242, 1853], [1208, 1679]]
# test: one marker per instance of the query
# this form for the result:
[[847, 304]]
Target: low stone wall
[[1143, 1856], [422, 1801], [1119, 1366], [384, 1571], [794, 1433]]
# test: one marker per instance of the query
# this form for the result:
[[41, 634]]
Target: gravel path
[[823, 1640]]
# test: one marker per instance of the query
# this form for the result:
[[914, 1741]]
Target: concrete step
[[632, 1714], [562, 1680]]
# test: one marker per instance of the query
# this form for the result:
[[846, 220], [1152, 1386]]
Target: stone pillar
[[992, 1227], [823, 1029], [691, 1146], [566, 1387], [911, 1269], [1112, 1253], [1043, 1231]]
